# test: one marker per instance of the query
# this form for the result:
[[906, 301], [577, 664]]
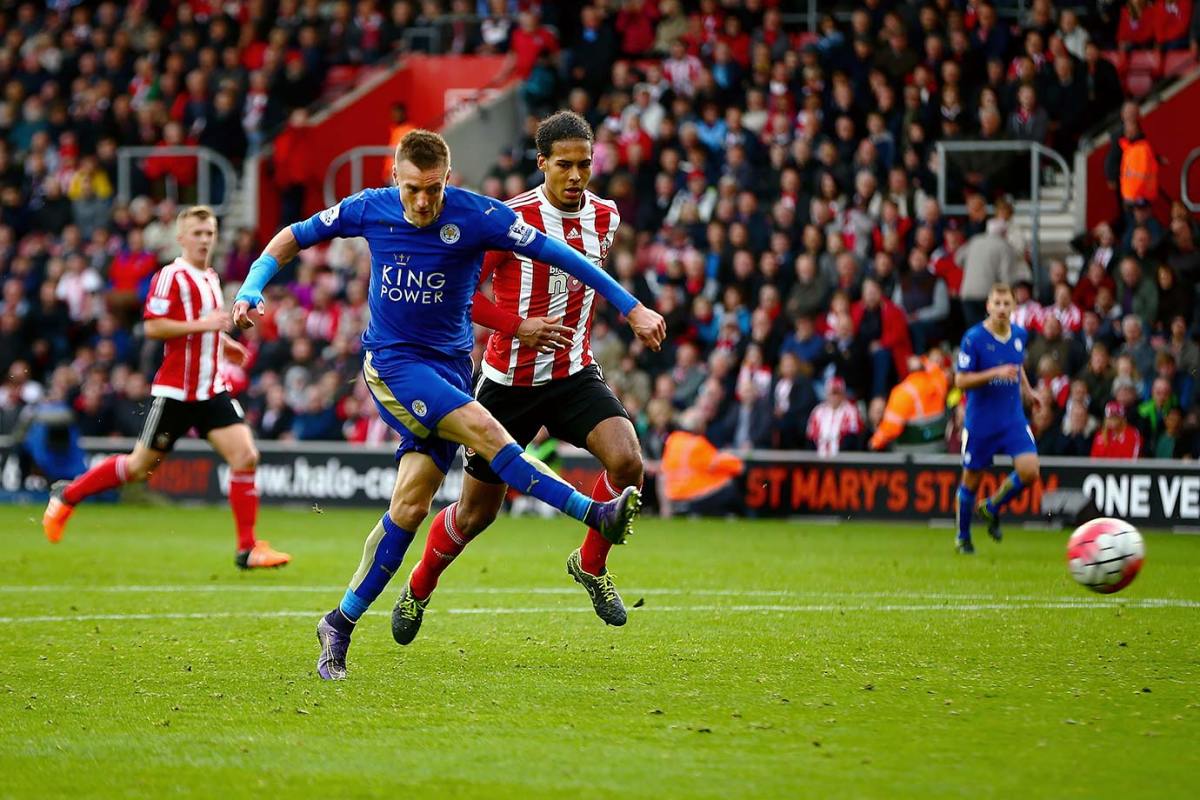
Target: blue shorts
[[413, 392], [978, 449]]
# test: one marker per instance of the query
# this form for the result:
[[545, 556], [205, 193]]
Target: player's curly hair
[[560, 127], [425, 149]]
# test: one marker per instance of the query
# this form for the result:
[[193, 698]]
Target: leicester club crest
[[450, 233], [419, 406]]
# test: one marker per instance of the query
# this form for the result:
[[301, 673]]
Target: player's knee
[[472, 520], [408, 514], [1029, 473], [245, 460], [626, 469], [139, 467]]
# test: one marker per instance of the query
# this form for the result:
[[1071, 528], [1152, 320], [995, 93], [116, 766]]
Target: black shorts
[[570, 408], [167, 420]]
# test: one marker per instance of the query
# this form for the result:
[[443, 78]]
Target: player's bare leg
[[235, 444], [109, 474], [963, 508], [473, 426], [417, 481], [1026, 470], [452, 530], [614, 442]]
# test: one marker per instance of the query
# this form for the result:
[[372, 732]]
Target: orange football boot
[[58, 511], [262, 556]]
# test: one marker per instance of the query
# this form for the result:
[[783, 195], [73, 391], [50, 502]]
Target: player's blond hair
[[424, 149], [1000, 288], [199, 213]]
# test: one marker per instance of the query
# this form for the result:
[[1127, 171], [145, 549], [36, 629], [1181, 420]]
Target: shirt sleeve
[[163, 301], [344, 219], [967, 359]]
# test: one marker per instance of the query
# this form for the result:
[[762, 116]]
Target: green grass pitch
[[769, 659]]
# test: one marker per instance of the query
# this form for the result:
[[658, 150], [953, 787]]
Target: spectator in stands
[[1152, 412], [1073, 35], [989, 259], [1073, 437], [1028, 121], [1175, 441], [746, 425], [1136, 346], [1135, 294], [1104, 92], [1186, 354], [1138, 25], [835, 423], [1172, 19], [881, 328], [1175, 299], [925, 301], [1085, 291], [1182, 253], [793, 401], [1117, 439]]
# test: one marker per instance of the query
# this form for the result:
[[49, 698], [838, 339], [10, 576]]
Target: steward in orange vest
[[915, 418], [695, 476], [1139, 170]]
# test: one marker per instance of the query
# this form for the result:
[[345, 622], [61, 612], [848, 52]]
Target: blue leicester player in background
[[427, 242], [990, 373]]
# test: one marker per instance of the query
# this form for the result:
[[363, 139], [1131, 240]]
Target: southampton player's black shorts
[[570, 408], [167, 420]]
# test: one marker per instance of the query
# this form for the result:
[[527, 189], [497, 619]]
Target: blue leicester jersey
[[996, 405], [422, 279]]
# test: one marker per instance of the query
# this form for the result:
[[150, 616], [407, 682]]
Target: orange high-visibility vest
[[692, 467], [916, 410], [1139, 171]]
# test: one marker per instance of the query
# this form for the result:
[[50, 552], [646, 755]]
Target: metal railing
[[1035, 206], [206, 158], [1185, 195], [354, 157]]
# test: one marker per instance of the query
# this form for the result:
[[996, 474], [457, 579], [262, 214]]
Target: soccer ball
[[1105, 555]]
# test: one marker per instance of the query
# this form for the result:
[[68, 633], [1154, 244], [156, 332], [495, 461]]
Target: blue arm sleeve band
[[261, 272], [565, 257]]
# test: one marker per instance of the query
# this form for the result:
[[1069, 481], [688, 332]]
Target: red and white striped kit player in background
[[538, 371], [185, 310]]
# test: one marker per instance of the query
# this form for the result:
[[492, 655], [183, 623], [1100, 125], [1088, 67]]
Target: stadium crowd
[[776, 190]]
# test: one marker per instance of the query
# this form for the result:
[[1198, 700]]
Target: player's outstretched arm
[[648, 325], [282, 248]]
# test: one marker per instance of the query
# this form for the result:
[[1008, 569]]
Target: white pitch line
[[695, 609], [222, 588]]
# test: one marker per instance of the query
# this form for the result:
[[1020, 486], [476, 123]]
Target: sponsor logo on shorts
[[450, 233]]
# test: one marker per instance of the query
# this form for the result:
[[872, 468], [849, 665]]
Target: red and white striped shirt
[[529, 288], [827, 425], [191, 364], [1070, 317]]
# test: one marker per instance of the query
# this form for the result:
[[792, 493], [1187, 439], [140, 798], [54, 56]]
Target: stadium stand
[[776, 186]]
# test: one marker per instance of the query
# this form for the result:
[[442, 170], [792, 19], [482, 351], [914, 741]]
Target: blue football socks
[[524, 475], [966, 506], [1010, 488], [382, 554]]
